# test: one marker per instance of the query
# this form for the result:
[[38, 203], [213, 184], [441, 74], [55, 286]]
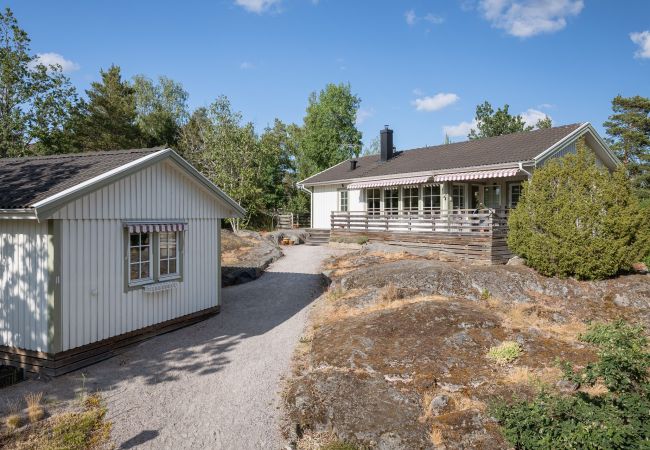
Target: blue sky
[[419, 66]]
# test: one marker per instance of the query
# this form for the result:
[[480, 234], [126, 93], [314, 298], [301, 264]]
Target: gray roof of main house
[[25, 181], [510, 148]]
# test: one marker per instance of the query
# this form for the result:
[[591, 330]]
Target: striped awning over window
[[151, 227], [392, 182], [482, 175]]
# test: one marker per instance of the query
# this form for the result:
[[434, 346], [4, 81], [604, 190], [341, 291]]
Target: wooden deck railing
[[466, 221]]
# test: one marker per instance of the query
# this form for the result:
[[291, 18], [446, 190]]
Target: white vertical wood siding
[[325, 200], [23, 284], [94, 304], [356, 200]]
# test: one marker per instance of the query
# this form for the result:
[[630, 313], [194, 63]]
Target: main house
[[453, 198], [99, 250]]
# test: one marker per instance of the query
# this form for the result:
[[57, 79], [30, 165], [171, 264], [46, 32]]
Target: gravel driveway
[[214, 384]]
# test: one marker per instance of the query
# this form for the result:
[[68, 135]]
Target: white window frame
[[463, 188], [369, 210], [510, 185], [140, 281], [391, 210], [171, 276], [411, 209], [431, 208], [344, 195]]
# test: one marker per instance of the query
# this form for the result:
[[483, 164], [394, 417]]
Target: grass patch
[[83, 430], [505, 353], [389, 293]]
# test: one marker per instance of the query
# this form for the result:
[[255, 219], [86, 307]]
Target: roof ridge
[[83, 154], [501, 136]]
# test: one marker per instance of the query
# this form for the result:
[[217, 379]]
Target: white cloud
[[53, 59], [246, 65], [432, 18], [410, 17], [545, 106], [462, 129], [363, 114], [532, 116], [642, 39], [435, 102], [256, 6], [526, 18]]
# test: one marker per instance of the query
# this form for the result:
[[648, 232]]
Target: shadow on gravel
[[249, 309]]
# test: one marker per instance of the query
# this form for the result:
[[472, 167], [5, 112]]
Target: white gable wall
[[23, 284], [94, 302]]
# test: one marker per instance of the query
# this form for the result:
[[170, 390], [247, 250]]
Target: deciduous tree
[[496, 123], [35, 101], [161, 109], [329, 134]]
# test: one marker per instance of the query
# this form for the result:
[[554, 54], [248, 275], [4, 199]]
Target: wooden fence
[[467, 235]]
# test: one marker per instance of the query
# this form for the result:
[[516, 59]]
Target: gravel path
[[213, 385]]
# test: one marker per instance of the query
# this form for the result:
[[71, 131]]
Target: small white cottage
[[100, 250]]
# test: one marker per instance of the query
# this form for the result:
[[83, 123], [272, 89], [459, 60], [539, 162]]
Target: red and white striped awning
[[151, 227], [482, 175], [391, 182]]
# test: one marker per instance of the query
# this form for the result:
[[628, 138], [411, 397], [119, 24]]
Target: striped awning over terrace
[[481, 175], [391, 182]]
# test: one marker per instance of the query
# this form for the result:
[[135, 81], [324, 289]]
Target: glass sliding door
[[492, 196]]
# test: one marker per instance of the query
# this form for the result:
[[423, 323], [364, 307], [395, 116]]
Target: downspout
[[521, 167], [311, 203]]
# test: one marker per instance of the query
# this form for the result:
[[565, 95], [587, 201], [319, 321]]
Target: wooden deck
[[475, 236]]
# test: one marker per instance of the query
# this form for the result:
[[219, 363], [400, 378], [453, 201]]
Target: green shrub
[[578, 219], [619, 418], [505, 353]]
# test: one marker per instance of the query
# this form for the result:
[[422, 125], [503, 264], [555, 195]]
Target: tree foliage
[[329, 135], [617, 419], [629, 136], [491, 123], [35, 101], [546, 122], [161, 109], [107, 121], [578, 219]]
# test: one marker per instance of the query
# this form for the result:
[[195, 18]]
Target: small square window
[[139, 261]]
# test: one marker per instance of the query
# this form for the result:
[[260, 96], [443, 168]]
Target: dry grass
[[596, 390], [13, 419], [323, 441], [389, 294], [535, 377], [84, 430], [524, 316], [35, 411], [437, 435]]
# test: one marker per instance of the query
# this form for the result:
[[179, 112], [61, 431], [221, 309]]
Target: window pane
[[164, 268], [145, 239], [145, 254], [164, 253], [172, 251], [144, 267], [172, 266], [135, 274], [135, 239], [135, 254]]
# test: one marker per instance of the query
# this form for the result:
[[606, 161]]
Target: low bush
[[618, 418], [505, 353], [578, 219]]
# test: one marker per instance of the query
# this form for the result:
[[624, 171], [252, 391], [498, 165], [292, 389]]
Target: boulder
[[516, 261]]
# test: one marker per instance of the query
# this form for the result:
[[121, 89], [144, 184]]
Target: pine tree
[[629, 136], [108, 120]]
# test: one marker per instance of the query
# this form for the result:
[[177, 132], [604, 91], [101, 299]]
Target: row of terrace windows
[[463, 196]]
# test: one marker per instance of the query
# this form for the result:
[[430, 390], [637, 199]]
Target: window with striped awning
[[155, 227]]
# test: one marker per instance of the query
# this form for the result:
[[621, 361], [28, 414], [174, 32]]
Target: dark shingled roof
[[514, 147], [25, 181]]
